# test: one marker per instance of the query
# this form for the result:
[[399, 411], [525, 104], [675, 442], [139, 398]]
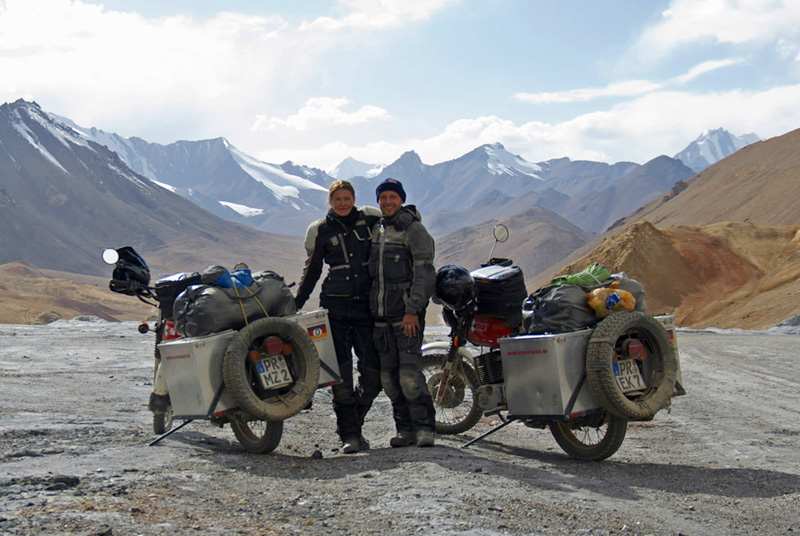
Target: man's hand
[[410, 325]]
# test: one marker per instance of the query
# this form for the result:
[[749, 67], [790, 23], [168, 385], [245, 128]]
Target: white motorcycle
[[252, 378]]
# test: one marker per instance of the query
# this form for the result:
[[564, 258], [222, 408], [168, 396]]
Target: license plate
[[628, 377], [273, 372]]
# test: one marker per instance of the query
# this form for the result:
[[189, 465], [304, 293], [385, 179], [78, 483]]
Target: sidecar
[[253, 378], [631, 370]]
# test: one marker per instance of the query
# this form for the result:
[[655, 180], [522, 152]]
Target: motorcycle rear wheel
[[459, 410], [255, 435], [590, 441]]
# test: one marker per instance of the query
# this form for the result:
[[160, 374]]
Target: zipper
[[381, 282]]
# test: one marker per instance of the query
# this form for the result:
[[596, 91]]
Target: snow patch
[[243, 209], [282, 184], [501, 162]]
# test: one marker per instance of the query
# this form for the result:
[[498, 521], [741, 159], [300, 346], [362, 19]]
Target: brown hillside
[[726, 275], [26, 293], [758, 184]]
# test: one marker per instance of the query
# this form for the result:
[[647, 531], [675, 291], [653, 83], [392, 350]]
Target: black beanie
[[391, 185]]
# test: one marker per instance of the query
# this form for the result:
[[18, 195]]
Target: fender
[[444, 347]]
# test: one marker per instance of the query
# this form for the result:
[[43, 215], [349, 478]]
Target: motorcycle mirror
[[500, 232], [110, 256]]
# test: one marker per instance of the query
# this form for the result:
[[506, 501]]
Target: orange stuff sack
[[610, 299]]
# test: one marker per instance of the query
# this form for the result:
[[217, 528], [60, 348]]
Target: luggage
[[499, 292], [205, 309], [167, 289], [565, 308], [557, 309]]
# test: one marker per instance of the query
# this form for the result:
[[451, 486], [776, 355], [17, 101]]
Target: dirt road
[[74, 457]]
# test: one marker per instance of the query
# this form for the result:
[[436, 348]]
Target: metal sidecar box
[[193, 369], [318, 328], [193, 366], [543, 372]]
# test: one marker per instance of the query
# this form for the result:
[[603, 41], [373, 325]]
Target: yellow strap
[[252, 295], [240, 303]]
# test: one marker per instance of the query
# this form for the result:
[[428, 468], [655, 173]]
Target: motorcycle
[[252, 378], [584, 385]]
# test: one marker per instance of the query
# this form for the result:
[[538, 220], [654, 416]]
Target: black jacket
[[401, 265], [343, 244]]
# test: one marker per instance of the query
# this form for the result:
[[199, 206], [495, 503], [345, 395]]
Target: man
[[401, 264]]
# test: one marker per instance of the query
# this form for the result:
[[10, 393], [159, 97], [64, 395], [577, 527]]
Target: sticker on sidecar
[[317, 332], [628, 376], [273, 372]]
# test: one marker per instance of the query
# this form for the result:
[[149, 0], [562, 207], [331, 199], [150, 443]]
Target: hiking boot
[[424, 438], [363, 443], [351, 445], [403, 439]]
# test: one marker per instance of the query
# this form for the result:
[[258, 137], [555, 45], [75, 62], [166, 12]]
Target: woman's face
[[342, 202]]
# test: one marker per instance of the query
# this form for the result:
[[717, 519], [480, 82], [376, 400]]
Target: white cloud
[[322, 112], [661, 122], [627, 88], [377, 14], [721, 21], [705, 67]]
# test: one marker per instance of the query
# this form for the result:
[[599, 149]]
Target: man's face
[[390, 202]]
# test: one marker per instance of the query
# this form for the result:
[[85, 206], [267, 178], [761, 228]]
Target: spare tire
[[240, 376], [658, 369]]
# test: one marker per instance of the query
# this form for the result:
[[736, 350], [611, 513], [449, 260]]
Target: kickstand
[[162, 436], [490, 432]]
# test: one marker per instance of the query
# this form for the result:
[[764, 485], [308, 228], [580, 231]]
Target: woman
[[342, 240]]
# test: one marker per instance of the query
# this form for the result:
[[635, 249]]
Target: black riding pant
[[352, 329]]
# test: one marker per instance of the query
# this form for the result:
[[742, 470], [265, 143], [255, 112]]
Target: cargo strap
[[252, 295]]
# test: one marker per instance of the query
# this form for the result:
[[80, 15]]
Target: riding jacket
[[344, 244], [401, 265]]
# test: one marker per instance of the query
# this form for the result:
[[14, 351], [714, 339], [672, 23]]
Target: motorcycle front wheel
[[162, 422], [255, 435], [592, 440], [459, 409]]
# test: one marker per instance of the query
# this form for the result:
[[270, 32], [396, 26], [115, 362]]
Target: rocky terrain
[[74, 458]]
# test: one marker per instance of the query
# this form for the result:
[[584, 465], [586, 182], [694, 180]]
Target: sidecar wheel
[[591, 441], [240, 376], [255, 435], [658, 369], [459, 410]]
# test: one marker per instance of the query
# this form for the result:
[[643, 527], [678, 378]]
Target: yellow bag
[[610, 299]]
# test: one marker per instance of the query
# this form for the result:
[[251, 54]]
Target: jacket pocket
[[397, 265]]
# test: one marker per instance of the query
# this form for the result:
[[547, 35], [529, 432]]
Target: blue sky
[[317, 81]]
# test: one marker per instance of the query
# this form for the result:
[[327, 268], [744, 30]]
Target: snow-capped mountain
[[712, 146], [224, 180], [488, 181], [64, 197], [350, 167]]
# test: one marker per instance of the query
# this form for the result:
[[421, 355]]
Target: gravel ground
[[74, 457]]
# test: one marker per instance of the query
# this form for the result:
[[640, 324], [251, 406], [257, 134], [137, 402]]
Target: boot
[[425, 438], [363, 443], [403, 438], [351, 445]]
